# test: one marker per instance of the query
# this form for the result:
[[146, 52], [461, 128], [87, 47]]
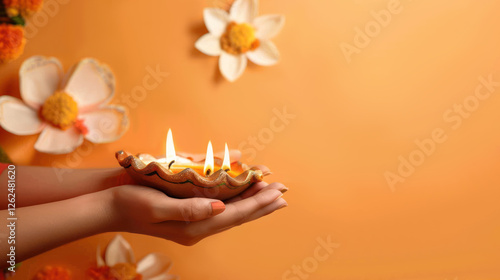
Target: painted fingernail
[[218, 207]]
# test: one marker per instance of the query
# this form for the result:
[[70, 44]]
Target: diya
[[186, 175]]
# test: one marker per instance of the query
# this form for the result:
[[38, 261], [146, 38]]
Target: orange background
[[352, 122]]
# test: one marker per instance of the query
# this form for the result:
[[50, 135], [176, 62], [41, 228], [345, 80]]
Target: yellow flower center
[[124, 271], [60, 110], [12, 12], [239, 38]]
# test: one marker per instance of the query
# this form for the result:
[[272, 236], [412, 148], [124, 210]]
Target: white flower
[[67, 110], [239, 35], [120, 258]]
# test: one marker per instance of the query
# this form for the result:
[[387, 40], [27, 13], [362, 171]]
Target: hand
[[144, 210]]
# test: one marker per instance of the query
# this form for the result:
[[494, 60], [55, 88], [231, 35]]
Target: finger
[[189, 209], [252, 190], [276, 205], [256, 188], [265, 170], [237, 213]]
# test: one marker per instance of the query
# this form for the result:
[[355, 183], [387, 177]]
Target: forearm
[[37, 185], [43, 227]]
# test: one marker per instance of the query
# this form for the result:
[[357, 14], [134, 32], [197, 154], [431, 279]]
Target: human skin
[[52, 212]]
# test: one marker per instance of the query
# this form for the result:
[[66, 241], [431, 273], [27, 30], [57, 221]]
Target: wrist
[[117, 177], [114, 207], [103, 209]]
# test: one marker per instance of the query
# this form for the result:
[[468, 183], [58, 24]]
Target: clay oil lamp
[[185, 175]]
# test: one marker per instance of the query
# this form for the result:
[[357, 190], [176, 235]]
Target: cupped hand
[[145, 210]]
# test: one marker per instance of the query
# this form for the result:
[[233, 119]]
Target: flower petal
[[209, 45], [90, 84], [106, 124], [268, 26], [17, 118], [216, 20], [153, 265], [119, 251], [53, 140], [243, 11], [266, 54], [232, 66], [99, 259], [39, 77]]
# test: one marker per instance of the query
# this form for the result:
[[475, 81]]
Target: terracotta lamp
[[186, 175]]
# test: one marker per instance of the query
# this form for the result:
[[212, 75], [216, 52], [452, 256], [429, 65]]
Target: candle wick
[[170, 164], [209, 171], [227, 169]]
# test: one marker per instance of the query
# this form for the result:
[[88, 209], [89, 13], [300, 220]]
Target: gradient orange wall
[[360, 103]]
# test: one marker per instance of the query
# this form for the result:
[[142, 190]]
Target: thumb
[[191, 209]]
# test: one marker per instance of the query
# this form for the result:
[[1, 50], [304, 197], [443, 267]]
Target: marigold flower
[[12, 7], [11, 42], [29, 7], [25, 7], [53, 273]]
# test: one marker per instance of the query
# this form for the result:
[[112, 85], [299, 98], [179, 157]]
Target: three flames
[[209, 159]]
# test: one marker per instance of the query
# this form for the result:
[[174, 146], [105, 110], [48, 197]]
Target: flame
[[226, 164], [209, 160], [170, 153]]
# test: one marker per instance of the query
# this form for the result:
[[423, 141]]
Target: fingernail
[[283, 205], [279, 194], [218, 207], [283, 190]]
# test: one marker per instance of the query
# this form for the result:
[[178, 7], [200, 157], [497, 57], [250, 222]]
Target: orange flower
[[11, 3], [12, 7], [29, 7], [53, 273], [121, 271], [25, 7], [11, 42]]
